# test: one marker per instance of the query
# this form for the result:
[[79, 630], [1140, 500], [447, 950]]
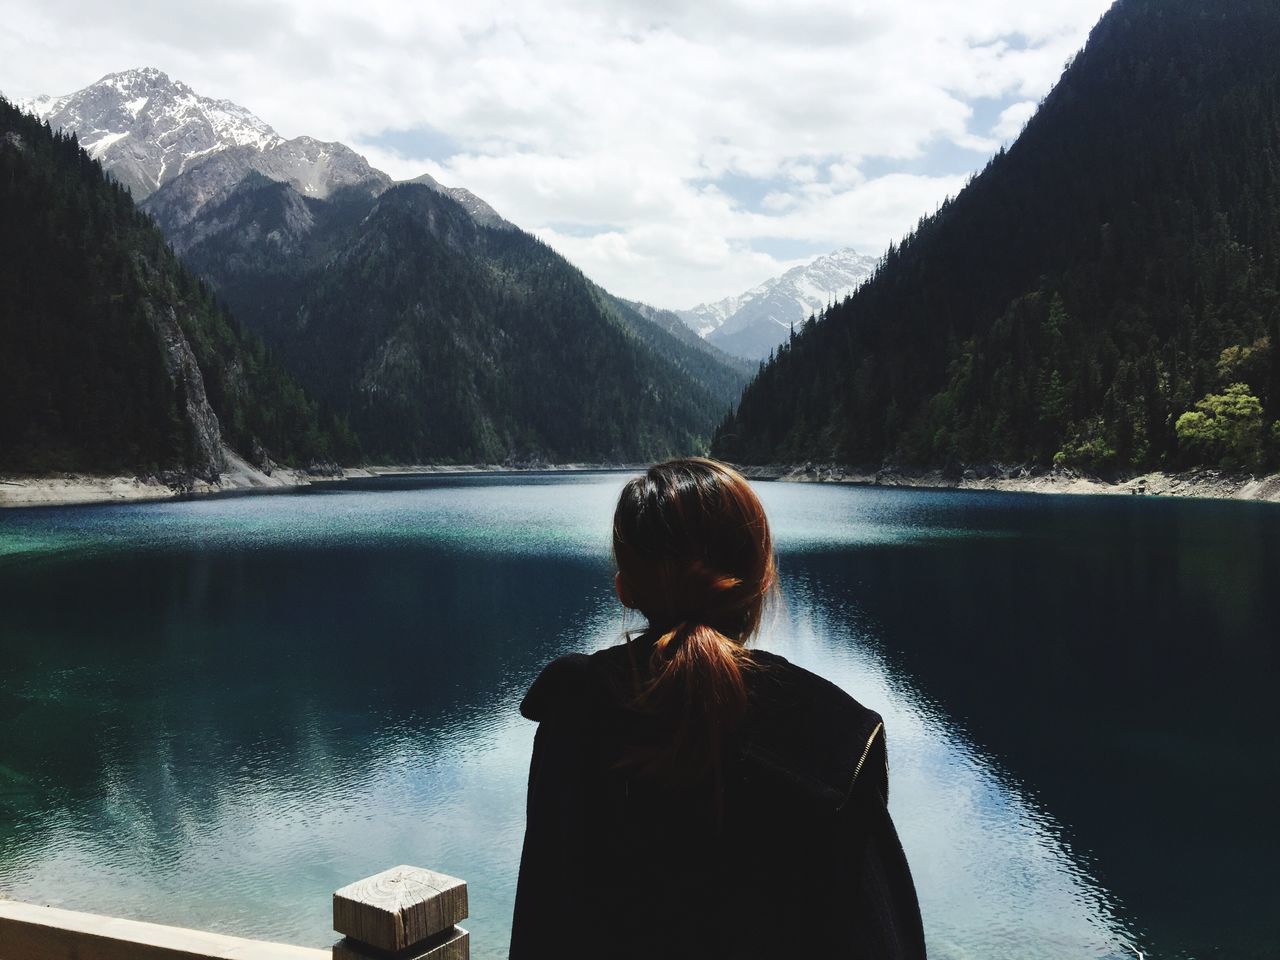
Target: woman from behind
[[688, 796]]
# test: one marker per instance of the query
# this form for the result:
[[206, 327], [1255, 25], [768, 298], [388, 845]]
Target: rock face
[[205, 457], [205, 435], [753, 323], [148, 129], [291, 220], [313, 168]]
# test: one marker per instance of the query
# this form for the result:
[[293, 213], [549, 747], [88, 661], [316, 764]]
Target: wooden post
[[406, 912]]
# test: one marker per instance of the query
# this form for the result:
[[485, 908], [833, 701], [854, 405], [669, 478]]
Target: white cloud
[[1012, 118], [603, 126]]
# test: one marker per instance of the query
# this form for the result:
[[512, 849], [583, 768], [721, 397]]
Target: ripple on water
[[292, 692]]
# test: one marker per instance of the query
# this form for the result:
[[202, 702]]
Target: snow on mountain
[[148, 129], [706, 318], [312, 167], [181, 153], [755, 322]]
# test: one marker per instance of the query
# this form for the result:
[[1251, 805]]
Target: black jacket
[[801, 861]]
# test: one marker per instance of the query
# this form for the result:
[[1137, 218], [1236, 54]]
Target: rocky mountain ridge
[[148, 129], [753, 323], [179, 152]]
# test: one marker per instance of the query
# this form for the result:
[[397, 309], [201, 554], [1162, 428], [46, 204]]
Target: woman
[[689, 797]]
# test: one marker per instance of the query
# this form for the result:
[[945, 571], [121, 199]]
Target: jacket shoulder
[[806, 729], [577, 684]]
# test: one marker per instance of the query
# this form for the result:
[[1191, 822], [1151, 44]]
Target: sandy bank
[[69, 488], [239, 476], [1198, 483]]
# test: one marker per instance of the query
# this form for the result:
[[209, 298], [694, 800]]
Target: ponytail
[[694, 551], [696, 679]]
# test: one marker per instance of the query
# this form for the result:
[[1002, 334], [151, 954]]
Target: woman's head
[[692, 546], [695, 557]]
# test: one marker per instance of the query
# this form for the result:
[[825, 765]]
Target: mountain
[[442, 339], [752, 324], [312, 167], [147, 129], [113, 356], [480, 211], [1104, 295], [178, 151], [414, 309], [722, 374]]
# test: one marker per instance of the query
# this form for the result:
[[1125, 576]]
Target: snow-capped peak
[[753, 323], [148, 128], [151, 131]]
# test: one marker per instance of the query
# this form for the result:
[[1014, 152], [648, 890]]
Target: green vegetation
[[1225, 427], [1103, 295], [113, 357]]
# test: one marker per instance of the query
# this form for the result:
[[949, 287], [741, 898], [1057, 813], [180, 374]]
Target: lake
[[214, 713]]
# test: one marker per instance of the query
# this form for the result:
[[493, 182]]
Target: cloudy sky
[[676, 151]]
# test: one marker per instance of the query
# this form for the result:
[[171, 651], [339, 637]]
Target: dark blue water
[[214, 713]]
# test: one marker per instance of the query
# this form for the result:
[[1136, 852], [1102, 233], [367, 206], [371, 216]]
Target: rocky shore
[[238, 476], [1023, 478]]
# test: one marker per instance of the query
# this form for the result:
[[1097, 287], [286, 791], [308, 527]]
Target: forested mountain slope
[[1103, 294], [113, 357], [443, 339], [723, 374]]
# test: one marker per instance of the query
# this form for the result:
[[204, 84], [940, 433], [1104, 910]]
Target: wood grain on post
[[405, 911], [453, 944]]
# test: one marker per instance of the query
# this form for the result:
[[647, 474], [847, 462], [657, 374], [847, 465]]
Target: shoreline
[[239, 478], [1201, 484]]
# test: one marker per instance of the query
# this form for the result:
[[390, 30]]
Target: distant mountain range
[[411, 312], [754, 323], [180, 154]]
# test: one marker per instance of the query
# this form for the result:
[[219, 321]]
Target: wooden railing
[[405, 912]]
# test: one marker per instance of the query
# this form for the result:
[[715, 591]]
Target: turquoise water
[[214, 713]]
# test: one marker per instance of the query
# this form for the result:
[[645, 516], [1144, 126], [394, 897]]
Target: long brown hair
[[695, 557]]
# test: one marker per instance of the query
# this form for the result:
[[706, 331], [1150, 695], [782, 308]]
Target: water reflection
[[995, 874], [265, 698], [1118, 659], [270, 722]]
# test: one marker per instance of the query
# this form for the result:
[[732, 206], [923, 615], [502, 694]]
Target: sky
[[677, 152]]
